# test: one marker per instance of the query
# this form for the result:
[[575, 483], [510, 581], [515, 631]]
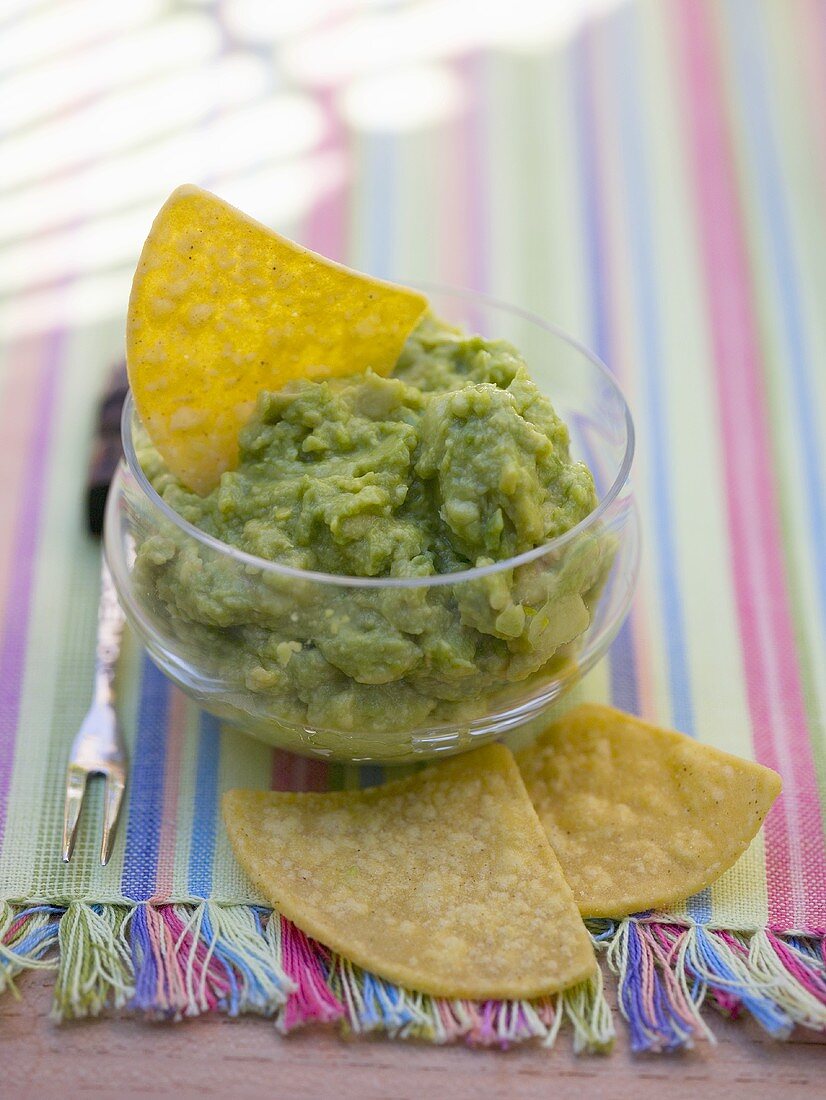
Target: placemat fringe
[[307, 966], [28, 936], [373, 1004], [94, 960], [190, 959], [171, 961], [590, 1015], [657, 996]]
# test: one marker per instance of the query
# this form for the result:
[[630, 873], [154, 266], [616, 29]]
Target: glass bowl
[[471, 654]]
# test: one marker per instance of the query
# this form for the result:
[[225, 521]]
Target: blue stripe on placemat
[[635, 165], [381, 178], [621, 655], [638, 211], [205, 811], [146, 786]]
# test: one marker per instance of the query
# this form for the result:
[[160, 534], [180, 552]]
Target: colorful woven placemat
[[656, 187]]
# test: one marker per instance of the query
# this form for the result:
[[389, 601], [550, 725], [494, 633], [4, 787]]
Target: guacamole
[[457, 460]]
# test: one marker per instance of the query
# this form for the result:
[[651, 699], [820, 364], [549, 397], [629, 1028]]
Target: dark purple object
[[106, 452]]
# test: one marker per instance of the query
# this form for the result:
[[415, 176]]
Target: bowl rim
[[438, 579]]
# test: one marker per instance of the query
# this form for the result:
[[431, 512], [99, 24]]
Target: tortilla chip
[[222, 308], [641, 817], [443, 882]]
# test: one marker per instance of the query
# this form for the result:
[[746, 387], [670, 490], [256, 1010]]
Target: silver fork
[[98, 747]]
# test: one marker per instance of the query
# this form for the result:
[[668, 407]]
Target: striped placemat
[[655, 186]]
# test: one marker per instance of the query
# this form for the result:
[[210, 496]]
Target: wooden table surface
[[241, 1059]]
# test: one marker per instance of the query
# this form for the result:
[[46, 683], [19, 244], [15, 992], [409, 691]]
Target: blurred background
[[374, 131]]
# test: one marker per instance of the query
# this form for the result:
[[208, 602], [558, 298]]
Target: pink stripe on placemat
[[18, 416], [794, 830], [280, 774], [325, 228], [14, 627], [316, 775], [298, 773]]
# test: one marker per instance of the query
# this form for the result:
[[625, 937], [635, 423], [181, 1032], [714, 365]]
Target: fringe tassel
[[307, 966], [203, 983], [502, 1023], [589, 1012], [95, 969], [256, 983], [796, 981], [718, 960], [188, 960], [660, 1005], [27, 937], [160, 990], [173, 961], [373, 1004]]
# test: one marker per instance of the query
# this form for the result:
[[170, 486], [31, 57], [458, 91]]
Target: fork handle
[[110, 633]]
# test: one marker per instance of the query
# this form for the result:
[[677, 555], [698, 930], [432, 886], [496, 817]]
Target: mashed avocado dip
[[457, 460]]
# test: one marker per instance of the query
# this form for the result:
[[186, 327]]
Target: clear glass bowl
[[536, 622]]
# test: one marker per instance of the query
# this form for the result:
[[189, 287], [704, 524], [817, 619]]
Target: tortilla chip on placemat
[[443, 882], [641, 817]]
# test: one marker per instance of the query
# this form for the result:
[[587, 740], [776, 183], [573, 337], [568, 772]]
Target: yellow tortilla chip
[[641, 817], [222, 308], [443, 882]]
